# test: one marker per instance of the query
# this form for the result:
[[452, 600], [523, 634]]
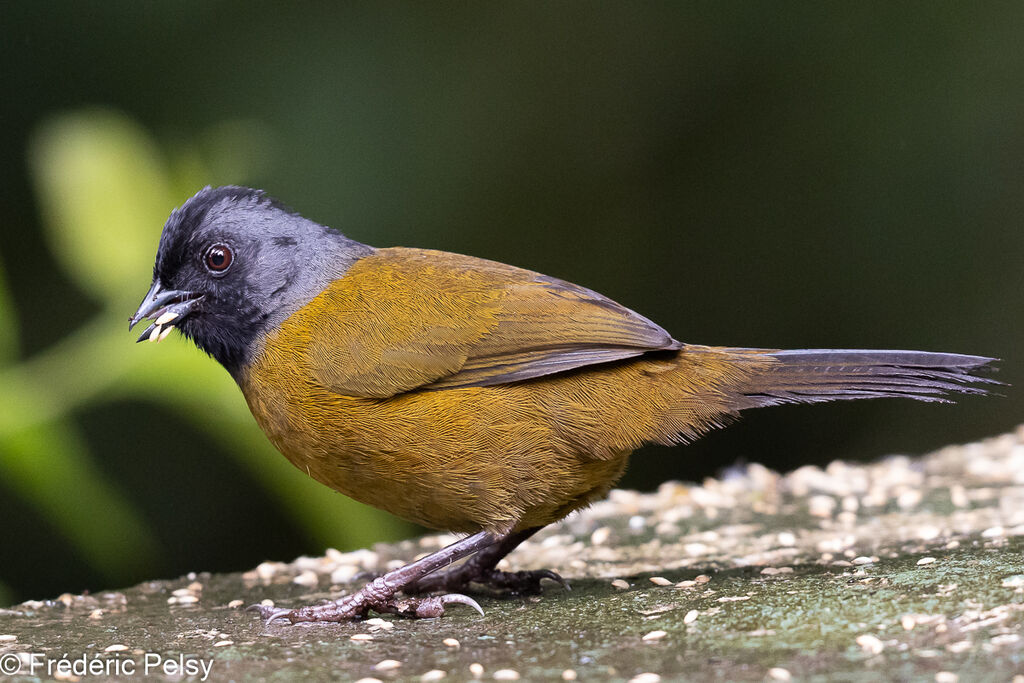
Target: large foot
[[460, 578], [376, 596]]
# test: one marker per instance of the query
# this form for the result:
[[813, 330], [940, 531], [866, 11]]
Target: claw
[[554, 576], [461, 599], [268, 614]]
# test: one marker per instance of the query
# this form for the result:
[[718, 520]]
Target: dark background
[[755, 174]]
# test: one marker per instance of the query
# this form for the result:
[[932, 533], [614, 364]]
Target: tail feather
[[818, 375]]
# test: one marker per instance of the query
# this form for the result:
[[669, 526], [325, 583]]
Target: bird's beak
[[168, 306]]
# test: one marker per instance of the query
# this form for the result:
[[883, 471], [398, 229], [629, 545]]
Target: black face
[[231, 264]]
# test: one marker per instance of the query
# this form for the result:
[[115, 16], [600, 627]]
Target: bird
[[464, 394]]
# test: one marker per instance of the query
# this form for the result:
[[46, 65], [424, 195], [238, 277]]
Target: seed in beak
[[166, 318], [167, 331], [155, 333]]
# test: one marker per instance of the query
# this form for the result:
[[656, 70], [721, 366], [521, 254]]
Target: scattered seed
[[477, 669], [223, 643], [387, 665], [686, 584], [863, 559], [645, 677], [733, 598], [691, 616], [777, 673], [703, 578], [786, 538], [870, 644], [946, 677], [925, 560], [267, 602], [369, 680], [620, 584], [908, 622], [506, 675], [600, 536], [993, 532], [452, 643], [1015, 581], [96, 614], [654, 635], [660, 581], [569, 675], [433, 675], [360, 637], [235, 604], [959, 646], [115, 648], [307, 578], [8, 638]]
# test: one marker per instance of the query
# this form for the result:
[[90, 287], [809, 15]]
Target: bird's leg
[[379, 594], [480, 569]]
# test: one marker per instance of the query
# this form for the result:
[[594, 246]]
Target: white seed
[[620, 584], [235, 604], [8, 638], [452, 642], [600, 536], [569, 675], [155, 333], [702, 578], [167, 331], [387, 665], [433, 675], [660, 581], [223, 643], [369, 679], [166, 318], [477, 669], [307, 578], [946, 677], [925, 560], [506, 675], [360, 637], [870, 644], [645, 677], [691, 616], [777, 673], [654, 635], [908, 622], [115, 648]]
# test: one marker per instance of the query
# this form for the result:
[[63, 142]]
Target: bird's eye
[[218, 258]]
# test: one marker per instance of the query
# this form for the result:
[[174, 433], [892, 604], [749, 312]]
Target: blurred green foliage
[[104, 189]]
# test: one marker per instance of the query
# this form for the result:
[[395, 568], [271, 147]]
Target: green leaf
[[8, 322], [50, 465], [105, 195]]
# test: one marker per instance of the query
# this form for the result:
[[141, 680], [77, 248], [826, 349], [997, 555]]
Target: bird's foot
[[460, 578], [376, 596]]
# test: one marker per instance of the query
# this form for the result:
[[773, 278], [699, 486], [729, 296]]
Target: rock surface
[[909, 568]]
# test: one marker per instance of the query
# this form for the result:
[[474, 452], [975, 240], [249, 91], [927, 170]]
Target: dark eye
[[218, 258]]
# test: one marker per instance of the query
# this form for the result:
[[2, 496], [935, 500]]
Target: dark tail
[[818, 375]]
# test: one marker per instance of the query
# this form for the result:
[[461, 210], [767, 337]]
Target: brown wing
[[404, 319]]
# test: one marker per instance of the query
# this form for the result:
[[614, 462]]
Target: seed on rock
[[223, 643], [8, 638], [506, 675], [235, 604], [691, 616], [925, 560], [569, 675], [660, 581], [452, 642], [387, 665], [777, 673], [307, 578], [115, 648], [600, 536], [433, 675], [946, 677], [645, 677], [477, 669], [654, 635], [620, 584], [360, 637], [870, 644], [703, 578]]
